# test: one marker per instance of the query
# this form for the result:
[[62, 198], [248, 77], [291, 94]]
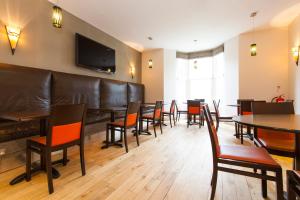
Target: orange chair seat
[[117, 123], [247, 154], [148, 116], [276, 140], [41, 140]]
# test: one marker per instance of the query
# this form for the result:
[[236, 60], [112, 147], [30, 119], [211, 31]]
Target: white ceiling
[[175, 24]]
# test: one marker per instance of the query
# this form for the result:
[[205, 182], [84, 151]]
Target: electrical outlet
[[2, 152]]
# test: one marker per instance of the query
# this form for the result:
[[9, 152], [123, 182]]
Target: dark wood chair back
[[173, 106], [193, 107], [66, 124], [272, 108], [201, 100], [245, 107], [216, 106], [132, 114], [158, 110], [212, 132]]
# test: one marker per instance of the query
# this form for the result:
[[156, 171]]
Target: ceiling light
[[150, 38]]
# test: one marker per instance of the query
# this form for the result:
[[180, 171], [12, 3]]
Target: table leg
[[297, 150], [112, 135]]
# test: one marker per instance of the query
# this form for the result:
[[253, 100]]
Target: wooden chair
[[217, 105], [179, 112], [218, 117], [276, 142], [194, 110], [244, 109], [293, 185], [242, 156], [130, 120], [171, 113], [155, 118], [66, 129]]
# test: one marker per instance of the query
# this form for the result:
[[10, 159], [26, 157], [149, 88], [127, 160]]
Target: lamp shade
[[13, 34], [253, 49], [57, 17]]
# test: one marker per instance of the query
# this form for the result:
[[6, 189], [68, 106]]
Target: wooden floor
[[175, 165]]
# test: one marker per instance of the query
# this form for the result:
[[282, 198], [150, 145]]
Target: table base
[[35, 169]]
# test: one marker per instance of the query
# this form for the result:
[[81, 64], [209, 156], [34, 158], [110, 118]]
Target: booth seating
[[25, 88]]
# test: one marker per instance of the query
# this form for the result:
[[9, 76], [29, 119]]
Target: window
[[200, 78]]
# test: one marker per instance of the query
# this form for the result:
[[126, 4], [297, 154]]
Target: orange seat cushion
[[247, 113], [148, 116], [276, 140], [41, 140], [247, 154]]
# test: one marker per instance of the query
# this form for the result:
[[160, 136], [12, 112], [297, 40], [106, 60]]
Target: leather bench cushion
[[24, 88], [113, 93], [70, 88], [135, 92]]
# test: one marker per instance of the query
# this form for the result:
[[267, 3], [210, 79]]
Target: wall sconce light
[[132, 72], [13, 35], [57, 17], [150, 63], [296, 51], [253, 49]]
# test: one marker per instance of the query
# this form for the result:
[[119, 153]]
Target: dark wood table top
[[109, 109], [289, 123], [234, 105], [22, 116]]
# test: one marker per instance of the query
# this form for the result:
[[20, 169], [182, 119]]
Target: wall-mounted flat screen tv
[[93, 55]]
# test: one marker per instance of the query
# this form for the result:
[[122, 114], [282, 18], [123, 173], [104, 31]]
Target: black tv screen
[[93, 55]]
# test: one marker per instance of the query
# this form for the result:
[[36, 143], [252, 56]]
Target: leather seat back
[[24, 88], [135, 92], [75, 89], [113, 93]]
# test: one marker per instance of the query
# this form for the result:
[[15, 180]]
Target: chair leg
[[242, 134], [65, 156], [137, 137], [264, 189], [170, 116], [200, 121], [147, 125], [174, 119], [49, 171], [125, 140], [289, 184], [107, 135], [160, 126], [188, 120], [28, 162], [82, 162], [279, 185], [154, 129], [214, 183]]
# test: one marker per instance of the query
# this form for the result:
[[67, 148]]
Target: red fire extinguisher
[[278, 99]]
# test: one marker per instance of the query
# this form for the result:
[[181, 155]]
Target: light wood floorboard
[[176, 165]]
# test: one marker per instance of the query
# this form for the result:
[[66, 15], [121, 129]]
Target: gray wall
[[43, 46]]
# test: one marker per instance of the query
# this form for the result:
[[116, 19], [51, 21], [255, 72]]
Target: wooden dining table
[[285, 123]]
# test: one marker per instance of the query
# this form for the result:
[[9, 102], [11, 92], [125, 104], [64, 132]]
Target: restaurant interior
[[157, 100]]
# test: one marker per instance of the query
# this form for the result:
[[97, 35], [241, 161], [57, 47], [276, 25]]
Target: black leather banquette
[[24, 88]]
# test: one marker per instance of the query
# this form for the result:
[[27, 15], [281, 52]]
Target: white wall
[[260, 75], [153, 79], [231, 76], [169, 75], [294, 71]]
